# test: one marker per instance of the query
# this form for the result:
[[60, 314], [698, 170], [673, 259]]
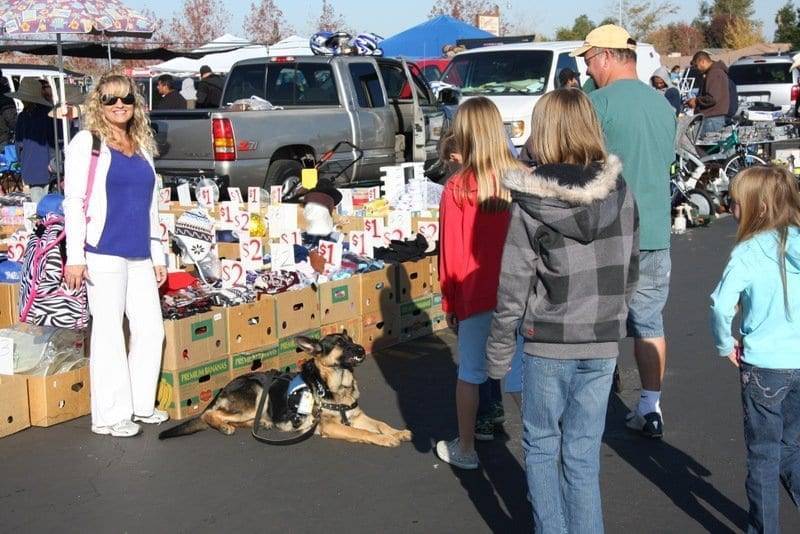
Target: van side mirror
[[449, 96]]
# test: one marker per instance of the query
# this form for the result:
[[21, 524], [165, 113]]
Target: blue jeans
[[711, 125], [771, 405], [563, 414]]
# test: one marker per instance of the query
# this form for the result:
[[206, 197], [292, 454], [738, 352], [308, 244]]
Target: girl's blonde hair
[[138, 127], [768, 199], [565, 129], [480, 137]]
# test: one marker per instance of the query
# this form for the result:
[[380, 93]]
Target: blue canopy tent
[[427, 39]]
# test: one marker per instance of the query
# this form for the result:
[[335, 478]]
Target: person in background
[[662, 83], [675, 75], [639, 127], [568, 78], [189, 93], [35, 136], [209, 89], [569, 269], [114, 244], [762, 280], [170, 98], [8, 114], [714, 99], [473, 223]]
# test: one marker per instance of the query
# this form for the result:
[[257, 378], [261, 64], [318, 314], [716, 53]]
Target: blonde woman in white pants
[[113, 244]]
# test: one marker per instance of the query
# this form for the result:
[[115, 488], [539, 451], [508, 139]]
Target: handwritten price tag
[[227, 215], [233, 274], [251, 252], [275, 194], [332, 252], [205, 198], [373, 231], [242, 220], [281, 219], [430, 231], [292, 238], [399, 224], [282, 257], [361, 245], [164, 196], [16, 246], [166, 222], [184, 196], [235, 194], [254, 199]]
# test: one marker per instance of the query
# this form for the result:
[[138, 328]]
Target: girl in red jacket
[[474, 220]]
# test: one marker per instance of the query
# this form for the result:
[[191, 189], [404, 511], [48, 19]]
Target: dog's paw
[[228, 430], [404, 435], [389, 441]]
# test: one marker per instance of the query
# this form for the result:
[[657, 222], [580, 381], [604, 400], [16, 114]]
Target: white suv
[[766, 79], [514, 76]]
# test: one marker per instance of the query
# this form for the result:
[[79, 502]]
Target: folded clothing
[[406, 250], [274, 282]]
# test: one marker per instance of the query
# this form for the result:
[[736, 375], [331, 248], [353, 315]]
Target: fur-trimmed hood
[[576, 201]]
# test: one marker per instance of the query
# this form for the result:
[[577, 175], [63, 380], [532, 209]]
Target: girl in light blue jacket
[[762, 279]]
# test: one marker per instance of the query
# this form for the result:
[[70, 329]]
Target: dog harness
[[323, 393]]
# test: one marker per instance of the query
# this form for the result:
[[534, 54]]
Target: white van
[[514, 76]]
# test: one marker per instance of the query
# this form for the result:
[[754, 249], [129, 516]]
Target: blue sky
[[388, 18]]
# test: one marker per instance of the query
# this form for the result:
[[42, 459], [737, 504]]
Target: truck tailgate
[[183, 136]]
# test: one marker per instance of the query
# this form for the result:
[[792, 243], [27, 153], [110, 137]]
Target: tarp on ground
[[427, 39]]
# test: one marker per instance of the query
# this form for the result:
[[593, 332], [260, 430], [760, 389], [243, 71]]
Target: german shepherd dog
[[328, 373]]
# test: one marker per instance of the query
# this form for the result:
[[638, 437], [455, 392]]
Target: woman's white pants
[[123, 383]]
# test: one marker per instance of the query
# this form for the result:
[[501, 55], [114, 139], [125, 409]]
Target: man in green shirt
[[639, 127]]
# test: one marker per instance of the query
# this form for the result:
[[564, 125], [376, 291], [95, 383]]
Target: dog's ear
[[309, 345]]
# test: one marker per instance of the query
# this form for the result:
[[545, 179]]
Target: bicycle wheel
[[703, 202], [739, 162]]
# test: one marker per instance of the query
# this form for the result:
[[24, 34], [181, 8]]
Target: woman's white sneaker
[[158, 417], [124, 429]]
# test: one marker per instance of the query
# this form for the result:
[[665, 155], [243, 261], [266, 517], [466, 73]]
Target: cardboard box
[[438, 319], [9, 307], [345, 224], [381, 335], [413, 280], [296, 311], [378, 292], [340, 300], [250, 326], [416, 319], [194, 340], [14, 407], [186, 392], [228, 251], [58, 398], [253, 361], [354, 327], [436, 286]]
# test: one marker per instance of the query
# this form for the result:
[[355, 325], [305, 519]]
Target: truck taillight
[[795, 93], [222, 140]]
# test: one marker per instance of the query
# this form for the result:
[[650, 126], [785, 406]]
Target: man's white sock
[[649, 401]]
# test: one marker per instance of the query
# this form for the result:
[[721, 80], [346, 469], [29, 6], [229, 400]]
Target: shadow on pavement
[[674, 472]]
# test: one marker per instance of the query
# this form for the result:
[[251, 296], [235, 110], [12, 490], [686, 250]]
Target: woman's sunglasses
[[110, 100]]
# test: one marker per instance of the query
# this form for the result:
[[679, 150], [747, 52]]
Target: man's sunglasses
[[110, 100]]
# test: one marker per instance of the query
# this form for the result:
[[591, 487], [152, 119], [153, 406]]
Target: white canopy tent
[[222, 62]]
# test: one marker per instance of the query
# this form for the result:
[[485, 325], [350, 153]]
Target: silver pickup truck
[[381, 105]]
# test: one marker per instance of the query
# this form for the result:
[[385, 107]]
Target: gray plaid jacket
[[570, 264]]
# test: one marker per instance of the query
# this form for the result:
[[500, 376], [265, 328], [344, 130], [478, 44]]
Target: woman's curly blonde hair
[[138, 127]]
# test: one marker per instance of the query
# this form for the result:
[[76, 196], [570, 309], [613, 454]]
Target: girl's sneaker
[[124, 429], [450, 452], [158, 417], [498, 414], [484, 429]]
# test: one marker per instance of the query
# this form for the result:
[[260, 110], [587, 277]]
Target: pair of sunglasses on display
[[110, 100]]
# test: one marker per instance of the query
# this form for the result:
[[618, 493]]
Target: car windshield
[[515, 72], [761, 73]]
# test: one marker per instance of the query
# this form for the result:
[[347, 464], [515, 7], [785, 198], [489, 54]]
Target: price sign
[[361, 245], [399, 225], [430, 231], [28, 212], [227, 215], [166, 223], [373, 231], [275, 194], [254, 199], [164, 196], [235, 194], [251, 252], [184, 196], [16, 245], [291, 238], [281, 219], [205, 197], [242, 221], [332, 252], [282, 257], [233, 274]]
